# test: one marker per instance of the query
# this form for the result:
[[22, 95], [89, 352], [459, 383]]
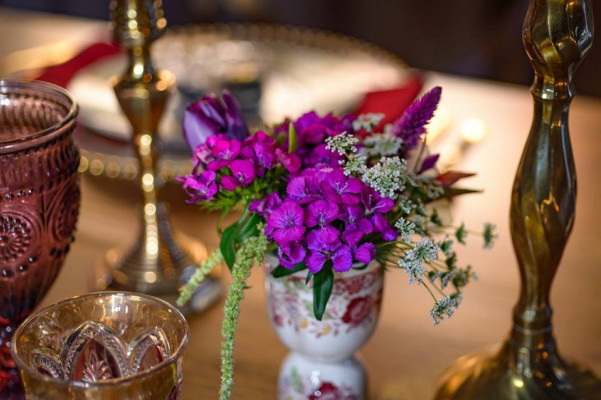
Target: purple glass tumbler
[[39, 202]]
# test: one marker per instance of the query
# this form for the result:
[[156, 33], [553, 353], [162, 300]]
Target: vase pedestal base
[[517, 374], [302, 378]]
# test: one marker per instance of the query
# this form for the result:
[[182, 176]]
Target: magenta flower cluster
[[311, 131], [326, 216], [226, 163], [313, 212]]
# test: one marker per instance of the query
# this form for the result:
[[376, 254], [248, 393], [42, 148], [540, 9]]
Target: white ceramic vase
[[321, 364]]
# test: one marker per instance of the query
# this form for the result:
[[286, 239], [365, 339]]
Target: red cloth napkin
[[390, 102], [62, 74]]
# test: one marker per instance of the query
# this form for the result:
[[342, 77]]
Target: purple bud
[[209, 116], [412, 124]]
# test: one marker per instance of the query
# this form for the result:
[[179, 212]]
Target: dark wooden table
[[406, 354]]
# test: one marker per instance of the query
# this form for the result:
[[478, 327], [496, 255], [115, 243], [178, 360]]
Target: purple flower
[[375, 208], [320, 212], [291, 253], [261, 148], [304, 189], [201, 187], [209, 116], [411, 125], [321, 249], [373, 202], [222, 151], [354, 233], [311, 131], [266, 205], [321, 156], [365, 253], [353, 216], [383, 227], [243, 173], [340, 189], [285, 224], [342, 259]]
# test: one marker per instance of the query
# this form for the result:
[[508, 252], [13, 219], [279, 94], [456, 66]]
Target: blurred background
[[474, 38]]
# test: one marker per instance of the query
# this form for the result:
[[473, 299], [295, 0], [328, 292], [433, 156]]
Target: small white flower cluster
[[384, 144], [424, 251], [445, 307], [406, 228], [342, 144], [388, 176], [445, 277], [434, 189], [367, 121], [356, 163]]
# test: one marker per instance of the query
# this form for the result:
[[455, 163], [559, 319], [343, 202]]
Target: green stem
[[251, 252], [199, 275], [428, 289]]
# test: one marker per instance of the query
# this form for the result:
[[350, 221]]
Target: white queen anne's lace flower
[[367, 121], [424, 251], [384, 144], [388, 176], [445, 307], [342, 144], [356, 163], [406, 228]]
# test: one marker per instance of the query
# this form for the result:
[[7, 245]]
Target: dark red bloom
[[327, 391], [358, 310]]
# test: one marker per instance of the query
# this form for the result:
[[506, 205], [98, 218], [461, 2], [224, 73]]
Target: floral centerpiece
[[325, 194]]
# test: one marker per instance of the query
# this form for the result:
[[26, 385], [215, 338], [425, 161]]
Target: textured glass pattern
[[105, 345], [39, 201]]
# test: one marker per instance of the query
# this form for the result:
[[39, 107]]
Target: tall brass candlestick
[[155, 263], [557, 34]]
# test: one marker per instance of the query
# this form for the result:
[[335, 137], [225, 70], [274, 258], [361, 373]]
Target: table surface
[[406, 354]]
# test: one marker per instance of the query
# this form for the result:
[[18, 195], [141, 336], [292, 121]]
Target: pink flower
[[200, 187], [243, 173]]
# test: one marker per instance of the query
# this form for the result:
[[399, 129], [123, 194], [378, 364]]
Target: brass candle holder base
[[158, 265], [517, 372], [557, 35]]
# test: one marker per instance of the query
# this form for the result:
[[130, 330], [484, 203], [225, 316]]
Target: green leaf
[[449, 192], [281, 271], [237, 233], [227, 245], [309, 276], [292, 145], [323, 281]]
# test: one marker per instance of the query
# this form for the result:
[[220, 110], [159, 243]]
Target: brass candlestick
[[155, 263], [557, 35]]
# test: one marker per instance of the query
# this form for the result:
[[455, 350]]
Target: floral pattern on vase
[[304, 379], [322, 351], [348, 321]]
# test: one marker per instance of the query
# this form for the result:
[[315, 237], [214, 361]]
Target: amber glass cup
[[39, 201], [103, 346]]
